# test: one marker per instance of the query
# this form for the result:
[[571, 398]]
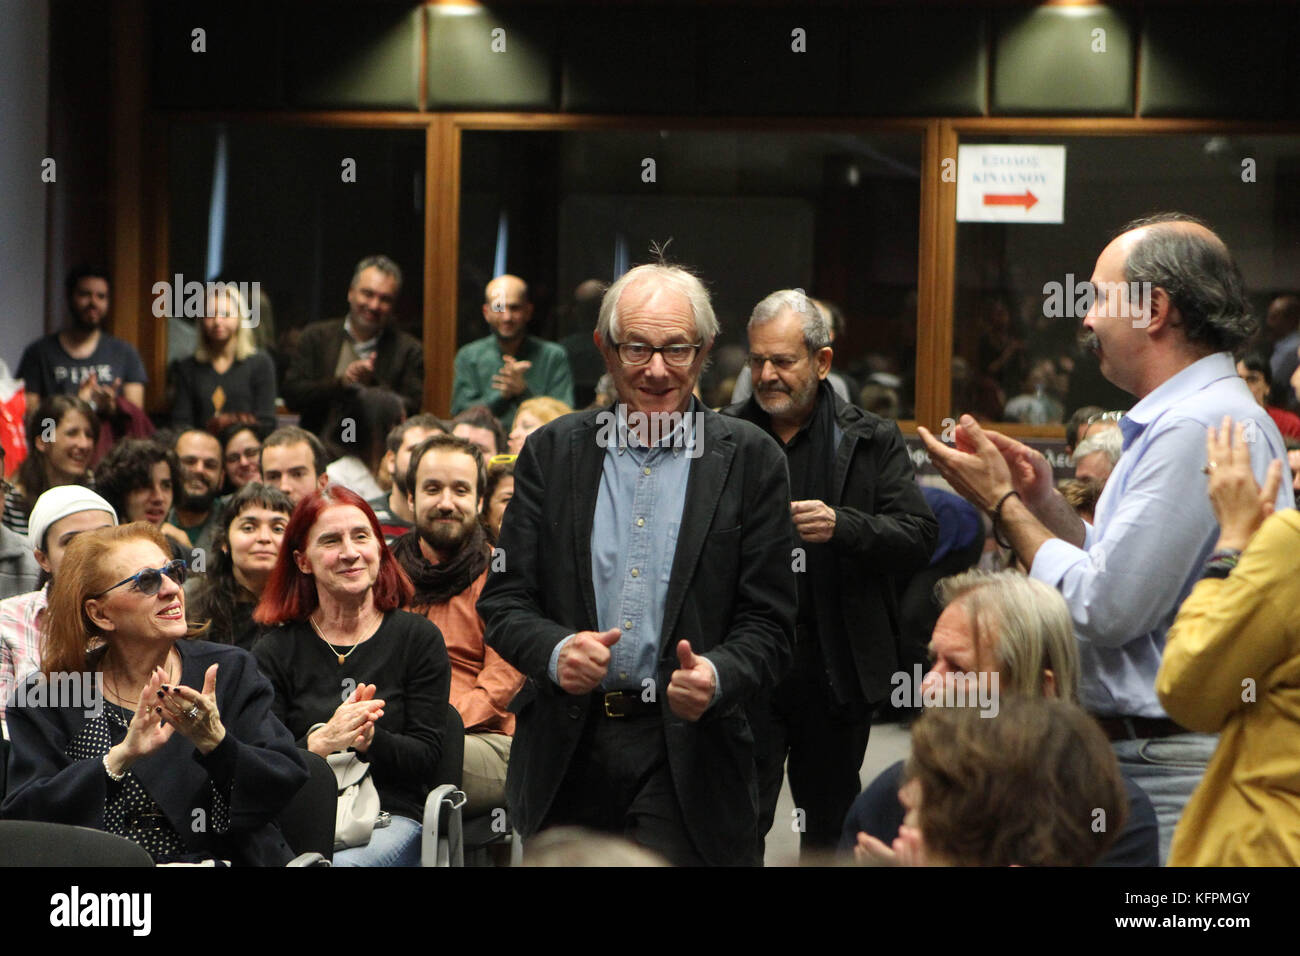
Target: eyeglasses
[[639, 353], [1104, 417], [148, 581], [249, 454], [502, 460]]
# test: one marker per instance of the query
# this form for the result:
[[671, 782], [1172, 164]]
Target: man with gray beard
[[861, 518]]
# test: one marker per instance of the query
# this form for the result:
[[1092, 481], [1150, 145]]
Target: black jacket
[[883, 527], [732, 594], [258, 758], [311, 388]]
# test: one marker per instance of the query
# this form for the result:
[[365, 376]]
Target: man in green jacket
[[509, 366]]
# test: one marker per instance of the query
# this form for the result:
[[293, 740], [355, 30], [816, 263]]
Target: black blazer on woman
[[258, 758]]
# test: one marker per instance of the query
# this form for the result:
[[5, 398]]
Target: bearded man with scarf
[[861, 519], [446, 556]]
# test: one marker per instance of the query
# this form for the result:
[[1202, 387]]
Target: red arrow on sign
[[1026, 199]]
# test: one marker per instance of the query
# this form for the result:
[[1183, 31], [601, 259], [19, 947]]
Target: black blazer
[[311, 389], [883, 528], [732, 594], [258, 756]]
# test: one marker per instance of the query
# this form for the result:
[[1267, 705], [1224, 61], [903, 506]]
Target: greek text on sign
[[1011, 184]]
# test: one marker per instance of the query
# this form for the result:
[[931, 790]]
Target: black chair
[[29, 843], [442, 841], [308, 821]]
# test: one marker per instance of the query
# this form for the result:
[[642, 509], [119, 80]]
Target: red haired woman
[[337, 590]]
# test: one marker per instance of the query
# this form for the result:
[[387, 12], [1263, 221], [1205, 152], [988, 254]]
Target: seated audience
[[498, 489], [1037, 785], [138, 479], [241, 452], [293, 460], [447, 561], [59, 516], [1019, 629], [83, 360], [1253, 368], [199, 454], [333, 358], [244, 550], [1036, 405], [18, 569], [479, 425], [1230, 666], [358, 447], [336, 589], [532, 415], [61, 437], [184, 725], [226, 373], [509, 366], [1096, 456], [394, 508], [1282, 325]]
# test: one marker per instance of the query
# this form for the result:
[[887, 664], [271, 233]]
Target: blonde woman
[[226, 374], [532, 415]]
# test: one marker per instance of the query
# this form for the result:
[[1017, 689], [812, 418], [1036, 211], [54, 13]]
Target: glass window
[[293, 209], [1019, 301], [833, 213]]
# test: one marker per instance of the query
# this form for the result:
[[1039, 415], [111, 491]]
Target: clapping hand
[[193, 713], [352, 725], [1239, 504], [509, 380]]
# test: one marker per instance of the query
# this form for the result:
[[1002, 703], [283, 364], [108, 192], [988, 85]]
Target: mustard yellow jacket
[[1232, 666]]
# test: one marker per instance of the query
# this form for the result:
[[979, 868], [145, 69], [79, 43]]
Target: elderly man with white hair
[[647, 594]]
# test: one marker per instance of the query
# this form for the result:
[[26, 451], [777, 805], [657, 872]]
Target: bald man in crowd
[[503, 369]]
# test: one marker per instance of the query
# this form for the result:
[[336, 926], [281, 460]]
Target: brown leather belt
[[623, 703], [1139, 728]]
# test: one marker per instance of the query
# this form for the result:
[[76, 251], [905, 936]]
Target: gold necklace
[[342, 657], [112, 685]]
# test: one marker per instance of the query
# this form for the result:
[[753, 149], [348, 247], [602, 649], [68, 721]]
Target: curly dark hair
[[128, 466]]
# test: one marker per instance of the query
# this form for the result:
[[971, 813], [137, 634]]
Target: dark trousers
[[825, 743], [619, 782]]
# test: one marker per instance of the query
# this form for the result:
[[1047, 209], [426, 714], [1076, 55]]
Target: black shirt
[[407, 662]]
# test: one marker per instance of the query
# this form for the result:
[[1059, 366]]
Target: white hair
[[675, 278], [1109, 440], [816, 328]]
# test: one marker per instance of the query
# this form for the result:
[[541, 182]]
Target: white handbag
[[358, 811]]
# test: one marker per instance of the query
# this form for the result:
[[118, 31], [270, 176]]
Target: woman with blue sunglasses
[[134, 727]]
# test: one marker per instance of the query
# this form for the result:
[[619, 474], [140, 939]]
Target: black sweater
[[406, 660]]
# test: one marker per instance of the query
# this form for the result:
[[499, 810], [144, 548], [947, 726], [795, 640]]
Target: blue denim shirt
[[638, 515]]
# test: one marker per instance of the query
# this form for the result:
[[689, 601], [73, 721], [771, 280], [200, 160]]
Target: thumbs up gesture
[[690, 691], [583, 661]]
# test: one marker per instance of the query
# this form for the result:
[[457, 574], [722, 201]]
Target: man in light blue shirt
[[1169, 309]]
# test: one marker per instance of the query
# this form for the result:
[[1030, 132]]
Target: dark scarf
[[439, 583]]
